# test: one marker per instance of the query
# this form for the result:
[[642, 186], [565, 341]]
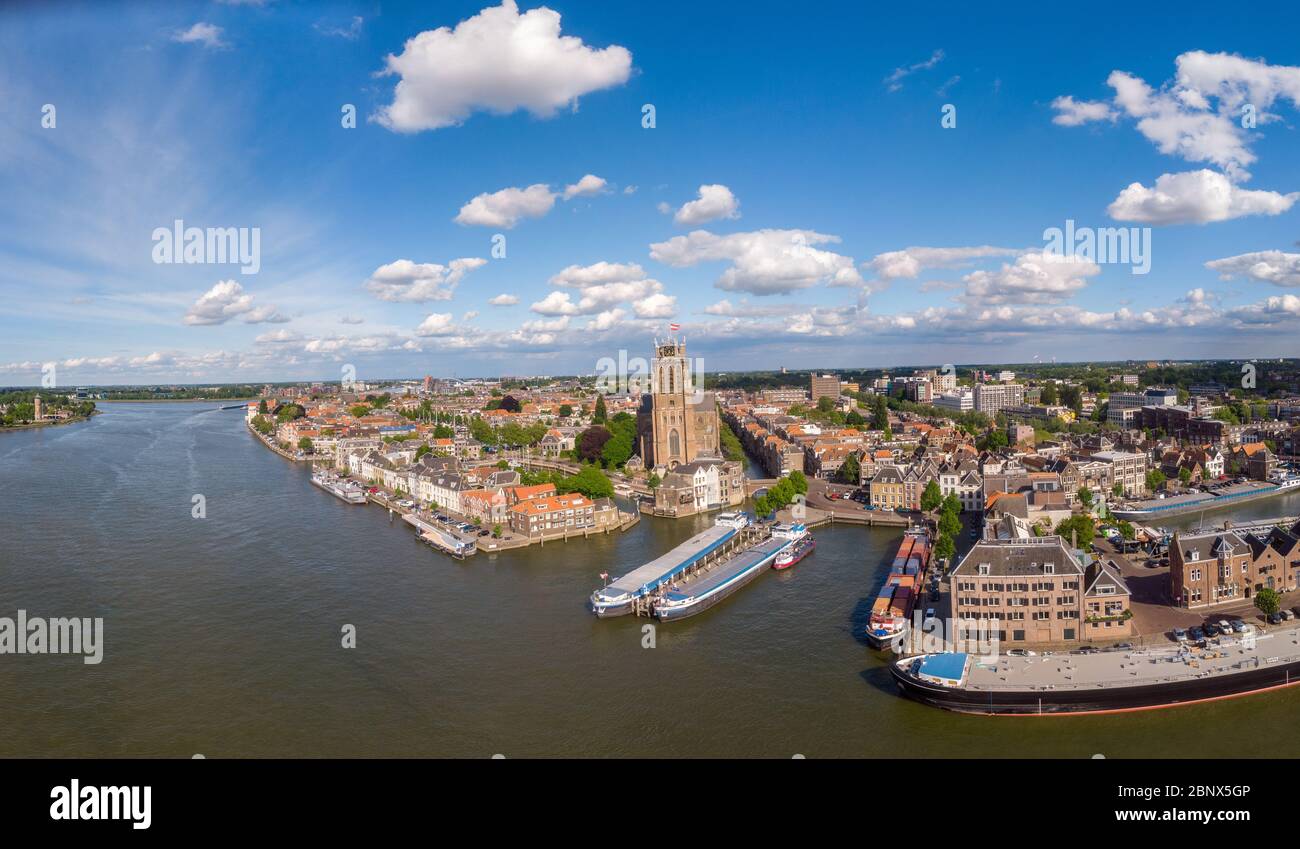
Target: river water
[[223, 634]]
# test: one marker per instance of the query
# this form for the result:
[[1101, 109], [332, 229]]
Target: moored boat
[[892, 609], [1101, 682], [803, 545]]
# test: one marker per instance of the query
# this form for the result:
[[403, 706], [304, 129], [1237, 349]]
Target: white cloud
[[437, 324], [497, 61], [208, 35], [714, 201], [351, 319], [227, 300], [1072, 113], [406, 281], [1197, 115], [278, 337], [582, 276], [607, 320], [895, 80], [505, 208], [1034, 278], [1195, 197], [1276, 267], [603, 286], [588, 185], [763, 262], [504, 300], [657, 305], [349, 32], [910, 262]]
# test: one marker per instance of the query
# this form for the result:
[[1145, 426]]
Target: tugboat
[[802, 547]]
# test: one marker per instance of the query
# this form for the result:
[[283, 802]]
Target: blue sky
[[836, 222]]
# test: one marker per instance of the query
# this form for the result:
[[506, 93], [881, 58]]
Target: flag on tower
[[674, 327]]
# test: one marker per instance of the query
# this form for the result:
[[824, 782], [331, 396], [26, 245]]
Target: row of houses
[[1216, 567]]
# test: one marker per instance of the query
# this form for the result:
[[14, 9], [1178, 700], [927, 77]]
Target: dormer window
[[1049, 568], [983, 568]]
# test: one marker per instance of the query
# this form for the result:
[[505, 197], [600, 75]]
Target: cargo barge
[[623, 595], [697, 594], [1211, 498], [1101, 682], [892, 609]]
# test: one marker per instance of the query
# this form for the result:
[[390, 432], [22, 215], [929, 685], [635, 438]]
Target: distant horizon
[[793, 372]]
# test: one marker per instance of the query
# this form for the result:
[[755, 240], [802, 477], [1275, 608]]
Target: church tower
[[673, 427]]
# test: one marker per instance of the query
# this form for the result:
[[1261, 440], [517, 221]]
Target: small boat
[[802, 547]]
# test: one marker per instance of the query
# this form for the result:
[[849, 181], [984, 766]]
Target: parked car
[[1197, 633], [1021, 653], [1123, 646], [1275, 618], [1180, 634], [1211, 630], [929, 614], [1238, 627], [1225, 627], [1286, 614], [484, 532]]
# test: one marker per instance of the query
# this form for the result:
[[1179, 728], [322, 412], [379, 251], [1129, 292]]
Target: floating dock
[[344, 490], [443, 541], [699, 592]]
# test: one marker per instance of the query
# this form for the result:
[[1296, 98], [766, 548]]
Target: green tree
[[1117, 490], [1085, 496], [849, 471], [654, 481], [944, 547], [1078, 524], [949, 524], [305, 445], [565, 411], [1268, 601], [854, 419], [598, 417], [422, 450], [591, 482], [496, 531], [1185, 475], [1155, 479], [261, 407], [931, 496], [951, 504], [1126, 530], [358, 410], [798, 482], [879, 413]]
